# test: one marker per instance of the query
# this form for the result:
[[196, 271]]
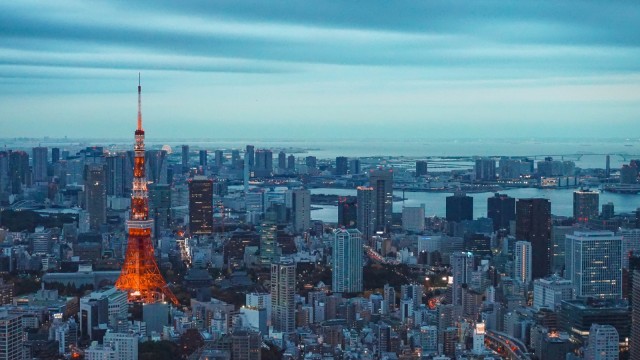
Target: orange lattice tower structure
[[140, 276]]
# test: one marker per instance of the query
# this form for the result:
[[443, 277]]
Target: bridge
[[505, 345], [575, 156]]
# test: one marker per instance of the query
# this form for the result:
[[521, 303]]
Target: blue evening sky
[[320, 69]]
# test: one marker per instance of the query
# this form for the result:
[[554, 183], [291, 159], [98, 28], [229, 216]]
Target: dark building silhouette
[[421, 168], [95, 190], [282, 160], [348, 211], [203, 158], [533, 224], [342, 165], [185, 158], [381, 180], [501, 208], [200, 205], [459, 207]]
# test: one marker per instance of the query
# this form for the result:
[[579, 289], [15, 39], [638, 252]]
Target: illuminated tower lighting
[[140, 276]]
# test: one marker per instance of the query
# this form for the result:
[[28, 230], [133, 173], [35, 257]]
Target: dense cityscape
[[207, 253], [319, 180]]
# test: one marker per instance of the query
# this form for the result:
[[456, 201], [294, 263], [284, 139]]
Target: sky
[[320, 69]]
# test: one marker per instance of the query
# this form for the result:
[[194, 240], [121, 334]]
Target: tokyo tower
[[140, 276]]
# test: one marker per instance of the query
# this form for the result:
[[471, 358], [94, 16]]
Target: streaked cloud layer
[[375, 68]]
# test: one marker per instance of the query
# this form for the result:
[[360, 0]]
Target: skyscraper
[[55, 155], [95, 189], [156, 163], [283, 289], [268, 243], [219, 158], [263, 163], [249, 154], [116, 174], [634, 342], [18, 170], [366, 212], [11, 333], [203, 158], [347, 261], [185, 158], [421, 168], [342, 165], [485, 169], [40, 162], [603, 343], [461, 269], [299, 203], [354, 166], [347, 211], [501, 208], [381, 180], [200, 205], [459, 207], [586, 205], [282, 161], [522, 267], [533, 224], [594, 264], [291, 163]]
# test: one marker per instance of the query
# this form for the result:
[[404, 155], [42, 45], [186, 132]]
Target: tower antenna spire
[[139, 104]]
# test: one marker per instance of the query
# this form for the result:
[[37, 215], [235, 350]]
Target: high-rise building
[[18, 171], [413, 218], [116, 174], [558, 233], [603, 343], [263, 163], [200, 205], [485, 169], [354, 166], [125, 345], [55, 155], [219, 158], [608, 211], [12, 335], [283, 289], [160, 206], [4, 172], [630, 245], [249, 154], [311, 162], [185, 158], [40, 162], [246, 344], [533, 224], [522, 262], [41, 241], [421, 168], [366, 212], [347, 261], [202, 154], [634, 342], [462, 265], [389, 296], [381, 180], [299, 203], [550, 292], [342, 165], [459, 207], [593, 263], [347, 211], [291, 163], [95, 190], [282, 161], [268, 243], [156, 164], [628, 174], [501, 208], [586, 205]]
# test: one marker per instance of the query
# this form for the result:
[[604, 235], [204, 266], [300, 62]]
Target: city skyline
[[251, 70]]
